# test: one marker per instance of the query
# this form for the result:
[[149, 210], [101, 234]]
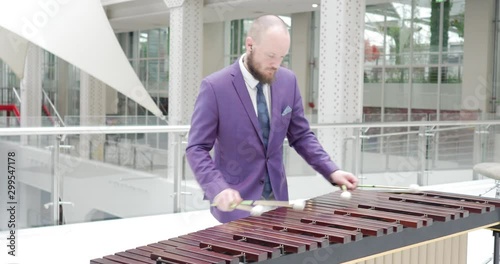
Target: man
[[245, 111]]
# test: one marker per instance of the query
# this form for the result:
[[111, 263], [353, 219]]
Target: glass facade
[[147, 52], [7, 77], [414, 54], [8, 82], [413, 60]]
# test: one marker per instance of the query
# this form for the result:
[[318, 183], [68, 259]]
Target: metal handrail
[[53, 108], [91, 130], [415, 132], [16, 94], [449, 129], [389, 134], [185, 128]]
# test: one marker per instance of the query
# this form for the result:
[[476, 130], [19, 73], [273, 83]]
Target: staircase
[[10, 108], [10, 102]]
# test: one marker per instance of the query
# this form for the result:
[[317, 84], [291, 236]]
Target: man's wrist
[[332, 180]]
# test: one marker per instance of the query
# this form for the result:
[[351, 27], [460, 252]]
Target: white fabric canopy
[[78, 32], [13, 51]]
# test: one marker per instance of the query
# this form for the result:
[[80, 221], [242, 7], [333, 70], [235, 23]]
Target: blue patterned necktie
[[263, 116]]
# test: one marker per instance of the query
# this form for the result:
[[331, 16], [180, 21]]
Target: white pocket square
[[286, 111]]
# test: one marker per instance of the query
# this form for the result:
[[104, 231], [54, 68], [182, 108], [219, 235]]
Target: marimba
[[329, 230]]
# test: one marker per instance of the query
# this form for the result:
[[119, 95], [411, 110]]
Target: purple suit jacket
[[224, 118]]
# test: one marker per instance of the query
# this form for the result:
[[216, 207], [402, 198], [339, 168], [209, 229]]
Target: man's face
[[264, 58]]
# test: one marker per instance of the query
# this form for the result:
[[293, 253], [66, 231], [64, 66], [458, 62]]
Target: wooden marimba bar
[[329, 230]]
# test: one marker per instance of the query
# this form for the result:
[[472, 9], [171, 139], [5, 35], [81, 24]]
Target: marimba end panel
[[446, 251]]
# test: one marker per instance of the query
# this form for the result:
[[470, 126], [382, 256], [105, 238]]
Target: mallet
[[295, 206], [412, 187], [345, 193]]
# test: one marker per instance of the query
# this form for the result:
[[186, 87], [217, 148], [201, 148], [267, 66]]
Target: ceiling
[[131, 15]]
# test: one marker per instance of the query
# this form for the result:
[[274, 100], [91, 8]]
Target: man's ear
[[249, 42]]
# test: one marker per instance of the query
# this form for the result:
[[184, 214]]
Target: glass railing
[[94, 173]]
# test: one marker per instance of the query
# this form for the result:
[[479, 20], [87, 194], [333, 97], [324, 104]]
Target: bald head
[[267, 43], [263, 24]]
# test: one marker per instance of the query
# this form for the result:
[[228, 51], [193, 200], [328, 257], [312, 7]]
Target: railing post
[[386, 150], [421, 153], [118, 150], [104, 150], [178, 172], [478, 148], [285, 152], [134, 159], [55, 182], [151, 161], [436, 150], [90, 149], [357, 159], [484, 142]]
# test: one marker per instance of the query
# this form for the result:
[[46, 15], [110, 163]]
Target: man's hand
[[340, 178], [227, 200]]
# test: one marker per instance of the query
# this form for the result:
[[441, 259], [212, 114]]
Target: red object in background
[[10, 108], [371, 51], [311, 104], [375, 53]]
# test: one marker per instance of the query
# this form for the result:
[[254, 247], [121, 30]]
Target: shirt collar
[[247, 76]]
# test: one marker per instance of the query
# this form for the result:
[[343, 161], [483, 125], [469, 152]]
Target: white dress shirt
[[251, 84]]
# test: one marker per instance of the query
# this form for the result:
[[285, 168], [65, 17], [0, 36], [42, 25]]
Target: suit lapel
[[241, 90], [275, 110]]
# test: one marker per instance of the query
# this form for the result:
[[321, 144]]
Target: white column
[[186, 55], [478, 55], [31, 91], [340, 72], [185, 69], [92, 113]]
